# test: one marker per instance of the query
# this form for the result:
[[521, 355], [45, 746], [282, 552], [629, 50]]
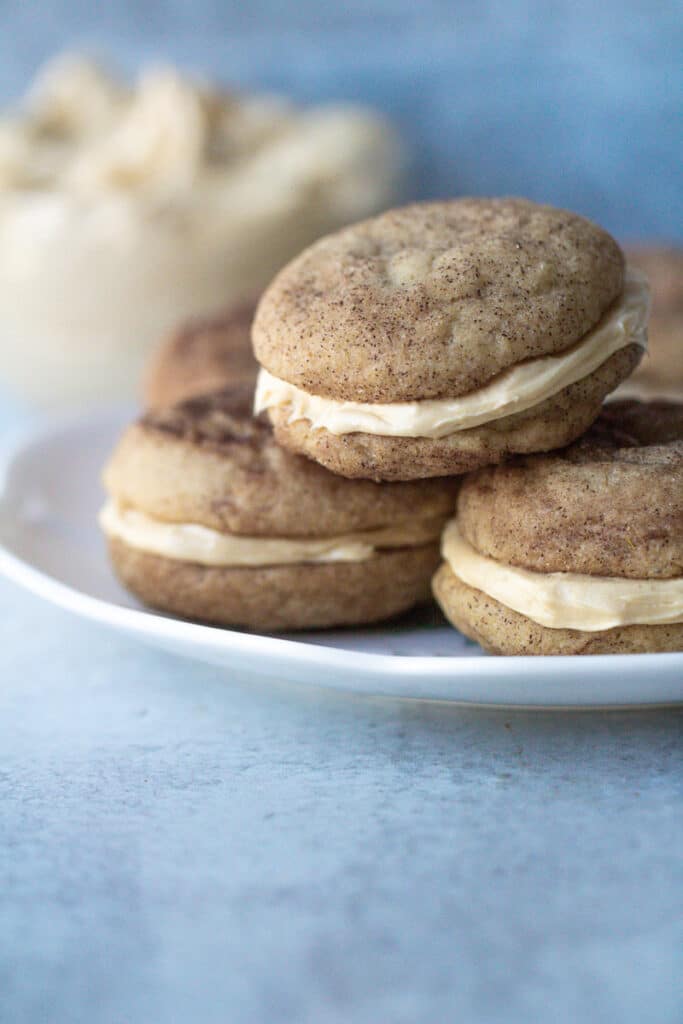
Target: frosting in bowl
[[124, 210]]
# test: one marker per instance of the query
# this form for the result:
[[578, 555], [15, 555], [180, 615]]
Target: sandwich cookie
[[203, 355], [444, 336], [576, 552], [208, 518]]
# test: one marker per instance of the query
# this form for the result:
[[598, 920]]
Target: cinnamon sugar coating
[[209, 461], [279, 598], [435, 299], [611, 504]]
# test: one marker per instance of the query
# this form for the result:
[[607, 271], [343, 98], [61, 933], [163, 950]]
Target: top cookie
[[209, 461], [435, 299], [611, 504]]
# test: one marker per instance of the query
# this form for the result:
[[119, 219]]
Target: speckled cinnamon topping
[[435, 299], [208, 461], [611, 504], [280, 597], [219, 419]]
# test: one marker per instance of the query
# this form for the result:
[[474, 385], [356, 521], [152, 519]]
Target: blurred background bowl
[[571, 103]]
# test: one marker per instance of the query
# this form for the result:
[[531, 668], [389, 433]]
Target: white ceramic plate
[[50, 544]]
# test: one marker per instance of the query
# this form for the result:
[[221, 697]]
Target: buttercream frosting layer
[[565, 600], [514, 391], [191, 542]]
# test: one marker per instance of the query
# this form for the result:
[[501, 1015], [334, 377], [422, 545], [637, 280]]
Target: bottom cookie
[[278, 598], [501, 630]]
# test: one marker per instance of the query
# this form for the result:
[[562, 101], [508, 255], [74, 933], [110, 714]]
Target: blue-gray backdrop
[[573, 102]]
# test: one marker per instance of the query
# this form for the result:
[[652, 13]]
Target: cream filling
[[515, 390], [565, 600], [190, 542]]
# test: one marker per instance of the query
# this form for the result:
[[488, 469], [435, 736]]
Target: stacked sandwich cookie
[[209, 519], [445, 336]]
